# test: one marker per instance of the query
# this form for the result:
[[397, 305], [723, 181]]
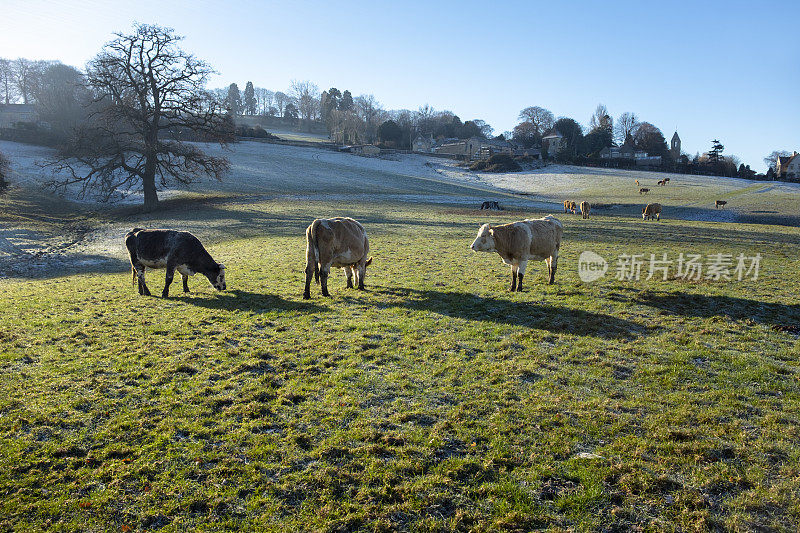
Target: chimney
[[795, 153]]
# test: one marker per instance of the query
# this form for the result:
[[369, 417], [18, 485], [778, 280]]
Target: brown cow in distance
[[720, 203], [585, 207], [650, 211], [570, 206], [338, 242]]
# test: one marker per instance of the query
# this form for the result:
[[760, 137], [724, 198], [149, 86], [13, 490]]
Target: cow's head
[[218, 281], [644, 213], [484, 242]]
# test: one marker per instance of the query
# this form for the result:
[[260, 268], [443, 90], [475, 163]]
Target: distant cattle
[[666, 180], [661, 182], [720, 203], [570, 206], [338, 242], [519, 242], [644, 190], [637, 183], [172, 250], [585, 209], [491, 205], [650, 211]]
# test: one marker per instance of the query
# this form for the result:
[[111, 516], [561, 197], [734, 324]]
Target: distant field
[[433, 401]]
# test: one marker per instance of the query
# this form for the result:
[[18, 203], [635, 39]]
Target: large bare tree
[[6, 81], [306, 96], [148, 97], [540, 119], [627, 123]]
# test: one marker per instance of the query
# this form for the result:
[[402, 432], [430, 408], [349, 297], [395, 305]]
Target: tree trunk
[[149, 187]]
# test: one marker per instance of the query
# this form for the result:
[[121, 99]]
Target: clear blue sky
[[726, 70]]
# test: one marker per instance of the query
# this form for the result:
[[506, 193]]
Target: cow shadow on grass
[[532, 314], [239, 300], [707, 306]]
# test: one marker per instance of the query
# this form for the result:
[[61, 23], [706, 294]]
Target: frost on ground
[[261, 171]]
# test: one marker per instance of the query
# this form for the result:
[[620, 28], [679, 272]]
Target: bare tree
[[147, 94], [281, 99], [370, 112], [61, 98], [626, 125], [26, 77], [265, 99], [540, 118], [306, 96], [7, 80], [601, 120]]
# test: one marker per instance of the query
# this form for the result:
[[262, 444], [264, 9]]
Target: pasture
[[433, 401]]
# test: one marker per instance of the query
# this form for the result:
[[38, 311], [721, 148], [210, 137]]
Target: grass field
[[433, 401]]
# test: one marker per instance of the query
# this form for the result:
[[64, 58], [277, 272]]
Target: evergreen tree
[[233, 102], [249, 99]]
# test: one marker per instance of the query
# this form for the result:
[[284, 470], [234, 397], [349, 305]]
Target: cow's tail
[[312, 252]]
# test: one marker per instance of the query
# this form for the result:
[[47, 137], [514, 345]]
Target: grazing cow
[[637, 183], [519, 242], [569, 206], [585, 209], [661, 182], [173, 250], [666, 180], [650, 211], [491, 205], [720, 203], [339, 242], [644, 190]]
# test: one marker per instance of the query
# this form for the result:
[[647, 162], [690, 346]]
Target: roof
[[785, 160], [553, 135], [675, 136]]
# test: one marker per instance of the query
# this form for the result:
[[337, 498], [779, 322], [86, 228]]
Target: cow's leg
[[513, 278], [361, 271], [323, 280], [143, 290], [552, 264], [520, 274], [348, 271], [168, 280], [185, 278], [310, 267]]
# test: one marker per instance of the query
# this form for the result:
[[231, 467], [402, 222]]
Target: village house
[[11, 114], [553, 143], [423, 144], [474, 148], [788, 168]]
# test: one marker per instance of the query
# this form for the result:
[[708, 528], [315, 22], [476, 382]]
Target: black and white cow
[[173, 250]]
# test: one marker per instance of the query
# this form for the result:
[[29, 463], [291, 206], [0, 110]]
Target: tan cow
[[338, 242], [651, 210], [585, 207], [519, 242], [570, 206]]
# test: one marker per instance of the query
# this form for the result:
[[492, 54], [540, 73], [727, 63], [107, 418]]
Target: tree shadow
[[239, 300], [706, 306], [500, 310]]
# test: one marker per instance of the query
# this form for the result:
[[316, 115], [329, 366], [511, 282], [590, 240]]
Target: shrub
[[497, 163]]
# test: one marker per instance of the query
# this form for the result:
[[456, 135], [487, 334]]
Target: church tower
[[675, 147]]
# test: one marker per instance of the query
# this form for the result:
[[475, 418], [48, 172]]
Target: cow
[[172, 250], [570, 206], [644, 190], [637, 183], [720, 203], [338, 242], [666, 180], [519, 242], [650, 211], [585, 207], [661, 182], [491, 205]]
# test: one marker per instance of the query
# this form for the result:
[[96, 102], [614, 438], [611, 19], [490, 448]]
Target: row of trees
[[360, 119]]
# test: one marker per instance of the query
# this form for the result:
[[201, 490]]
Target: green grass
[[434, 401]]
